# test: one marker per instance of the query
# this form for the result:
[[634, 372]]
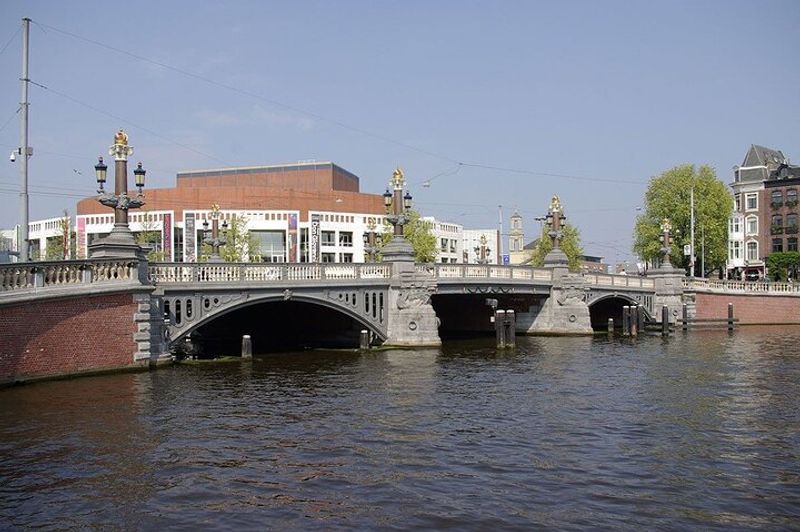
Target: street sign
[[506, 259], [687, 250]]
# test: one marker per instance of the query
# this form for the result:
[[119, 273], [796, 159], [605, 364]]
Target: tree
[[240, 243], [784, 265], [668, 196], [150, 239], [58, 247], [570, 245], [419, 234]]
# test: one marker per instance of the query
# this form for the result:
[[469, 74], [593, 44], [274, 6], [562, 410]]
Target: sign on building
[[314, 240]]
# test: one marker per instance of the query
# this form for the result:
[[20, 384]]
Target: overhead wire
[[126, 121], [318, 117]]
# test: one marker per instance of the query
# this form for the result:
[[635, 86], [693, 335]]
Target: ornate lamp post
[[120, 242], [554, 220], [397, 206], [213, 238], [371, 242], [666, 243], [482, 251]]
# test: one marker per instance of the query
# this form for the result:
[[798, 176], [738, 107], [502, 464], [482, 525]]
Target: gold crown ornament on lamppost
[[666, 242], [120, 242], [398, 207]]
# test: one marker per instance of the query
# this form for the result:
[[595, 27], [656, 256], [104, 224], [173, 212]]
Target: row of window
[[448, 244], [777, 198], [328, 238], [751, 248], [791, 198]]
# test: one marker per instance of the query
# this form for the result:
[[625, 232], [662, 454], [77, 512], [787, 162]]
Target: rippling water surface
[[699, 431]]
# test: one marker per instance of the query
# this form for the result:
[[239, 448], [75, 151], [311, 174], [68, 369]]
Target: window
[[751, 201], [777, 198], [752, 250], [735, 250], [791, 223], [777, 224], [346, 239], [791, 197], [328, 238], [791, 243], [345, 257], [444, 245], [735, 225], [328, 257], [452, 246], [751, 225], [777, 245], [737, 202]]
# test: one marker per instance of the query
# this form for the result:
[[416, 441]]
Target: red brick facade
[[749, 309], [66, 336]]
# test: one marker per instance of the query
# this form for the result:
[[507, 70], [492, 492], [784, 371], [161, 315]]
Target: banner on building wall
[[189, 238], [314, 240], [81, 236], [169, 253], [293, 238]]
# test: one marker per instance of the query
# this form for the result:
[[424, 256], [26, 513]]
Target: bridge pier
[[412, 322], [565, 312], [668, 291]]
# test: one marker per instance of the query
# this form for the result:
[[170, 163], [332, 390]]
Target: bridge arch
[[190, 313], [610, 305]]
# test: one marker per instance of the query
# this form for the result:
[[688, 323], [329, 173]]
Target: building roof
[[762, 156]]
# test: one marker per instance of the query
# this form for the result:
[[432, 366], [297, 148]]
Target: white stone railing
[[30, 275], [626, 281], [256, 272], [481, 271], [714, 285]]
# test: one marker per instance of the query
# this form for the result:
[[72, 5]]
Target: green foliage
[[240, 244], [570, 245], [150, 239], [419, 233], [668, 196], [783, 265], [55, 248]]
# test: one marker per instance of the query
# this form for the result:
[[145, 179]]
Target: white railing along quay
[[733, 287], [256, 272], [30, 275]]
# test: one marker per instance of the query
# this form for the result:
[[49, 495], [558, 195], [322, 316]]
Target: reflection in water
[[698, 431]]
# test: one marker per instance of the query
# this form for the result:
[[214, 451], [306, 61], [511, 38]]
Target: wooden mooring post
[[505, 327], [664, 320], [247, 346]]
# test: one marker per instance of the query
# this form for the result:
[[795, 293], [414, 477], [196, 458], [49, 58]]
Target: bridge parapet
[[172, 273], [739, 287], [626, 281], [480, 271], [42, 275]]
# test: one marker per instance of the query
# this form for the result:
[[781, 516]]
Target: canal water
[[700, 431]]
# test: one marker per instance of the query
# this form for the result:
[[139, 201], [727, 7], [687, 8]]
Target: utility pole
[[500, 235], [691, 249], [23, 242], [702, 250]]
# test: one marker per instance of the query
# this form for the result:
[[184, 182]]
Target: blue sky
[[585, 99]]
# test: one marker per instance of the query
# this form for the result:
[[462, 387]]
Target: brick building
[[305, 212], [765, 216]]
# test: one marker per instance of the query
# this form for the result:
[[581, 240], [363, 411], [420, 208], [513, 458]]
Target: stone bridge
[[123, 312]]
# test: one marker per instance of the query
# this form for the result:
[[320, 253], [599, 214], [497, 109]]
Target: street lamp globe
[[100, 170], [139, 177]]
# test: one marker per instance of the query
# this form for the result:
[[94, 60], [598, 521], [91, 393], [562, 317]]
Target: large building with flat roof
[[304, 212]]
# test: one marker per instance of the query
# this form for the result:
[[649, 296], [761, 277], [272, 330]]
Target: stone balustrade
[[36, 275], [627, 281], [169, 273], [733, 287]]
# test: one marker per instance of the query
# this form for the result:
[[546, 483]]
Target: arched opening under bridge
[[276, 326], [607, 307]]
